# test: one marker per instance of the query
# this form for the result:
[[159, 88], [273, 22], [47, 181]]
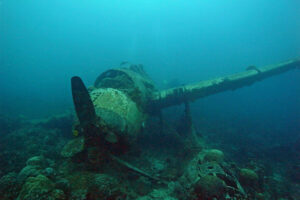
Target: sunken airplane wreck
[[112, 113], [116, 107]]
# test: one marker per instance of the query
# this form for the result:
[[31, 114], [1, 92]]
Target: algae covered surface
[[149, 100]]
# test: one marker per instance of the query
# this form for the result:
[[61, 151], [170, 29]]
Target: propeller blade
[[83, 104]]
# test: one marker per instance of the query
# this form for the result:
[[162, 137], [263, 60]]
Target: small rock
[[49, 172], [63, 184], [248, 177], [159, 194], [260, 196], [105, 186], [158, 165], [57, 195], [214, 155]]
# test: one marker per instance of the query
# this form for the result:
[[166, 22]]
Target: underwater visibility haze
[[166, 100]]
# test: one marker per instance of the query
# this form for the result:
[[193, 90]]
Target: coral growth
[[43, 165], [38, 188]]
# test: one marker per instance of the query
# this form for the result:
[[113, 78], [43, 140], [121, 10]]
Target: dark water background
[[44, 43]]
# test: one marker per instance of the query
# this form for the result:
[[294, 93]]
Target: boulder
[[209, 186]]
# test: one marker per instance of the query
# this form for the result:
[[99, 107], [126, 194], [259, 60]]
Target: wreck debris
[[134, 169]]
